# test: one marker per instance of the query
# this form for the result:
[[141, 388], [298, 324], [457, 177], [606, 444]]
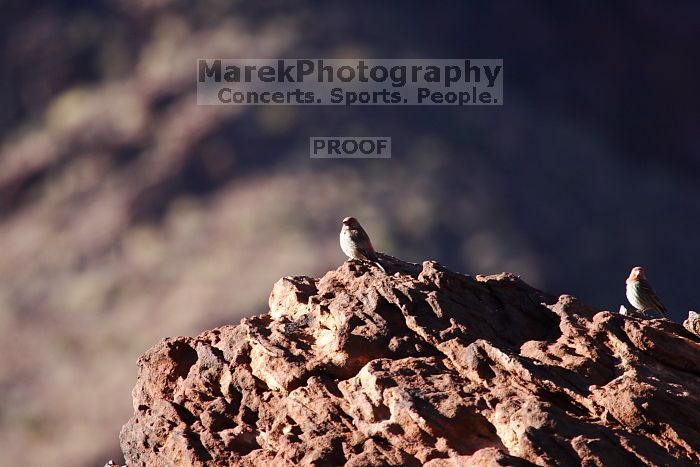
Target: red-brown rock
[[424, 366]]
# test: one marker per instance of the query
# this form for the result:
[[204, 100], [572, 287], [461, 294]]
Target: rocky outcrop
[[420, 366], [692, 324]]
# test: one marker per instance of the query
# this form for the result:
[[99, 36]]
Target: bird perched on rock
[[355, 242], [641, 294]]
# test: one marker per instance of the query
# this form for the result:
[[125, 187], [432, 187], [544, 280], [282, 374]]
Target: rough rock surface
[[422, 366], [692, 324]]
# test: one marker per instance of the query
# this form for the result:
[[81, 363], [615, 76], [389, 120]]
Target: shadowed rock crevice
[[421, 366]]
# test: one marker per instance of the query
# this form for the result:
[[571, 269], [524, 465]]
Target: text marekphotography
[[349, 82]]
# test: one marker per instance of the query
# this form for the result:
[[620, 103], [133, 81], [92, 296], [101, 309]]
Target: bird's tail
[[372, 256], [379, 265]]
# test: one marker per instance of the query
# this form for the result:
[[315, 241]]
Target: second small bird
[[641, 294], [355, 242]]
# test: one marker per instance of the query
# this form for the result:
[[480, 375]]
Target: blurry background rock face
[[127, 213]]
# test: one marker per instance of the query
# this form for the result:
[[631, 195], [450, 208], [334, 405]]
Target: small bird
[[355, 242], [641, 294]]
